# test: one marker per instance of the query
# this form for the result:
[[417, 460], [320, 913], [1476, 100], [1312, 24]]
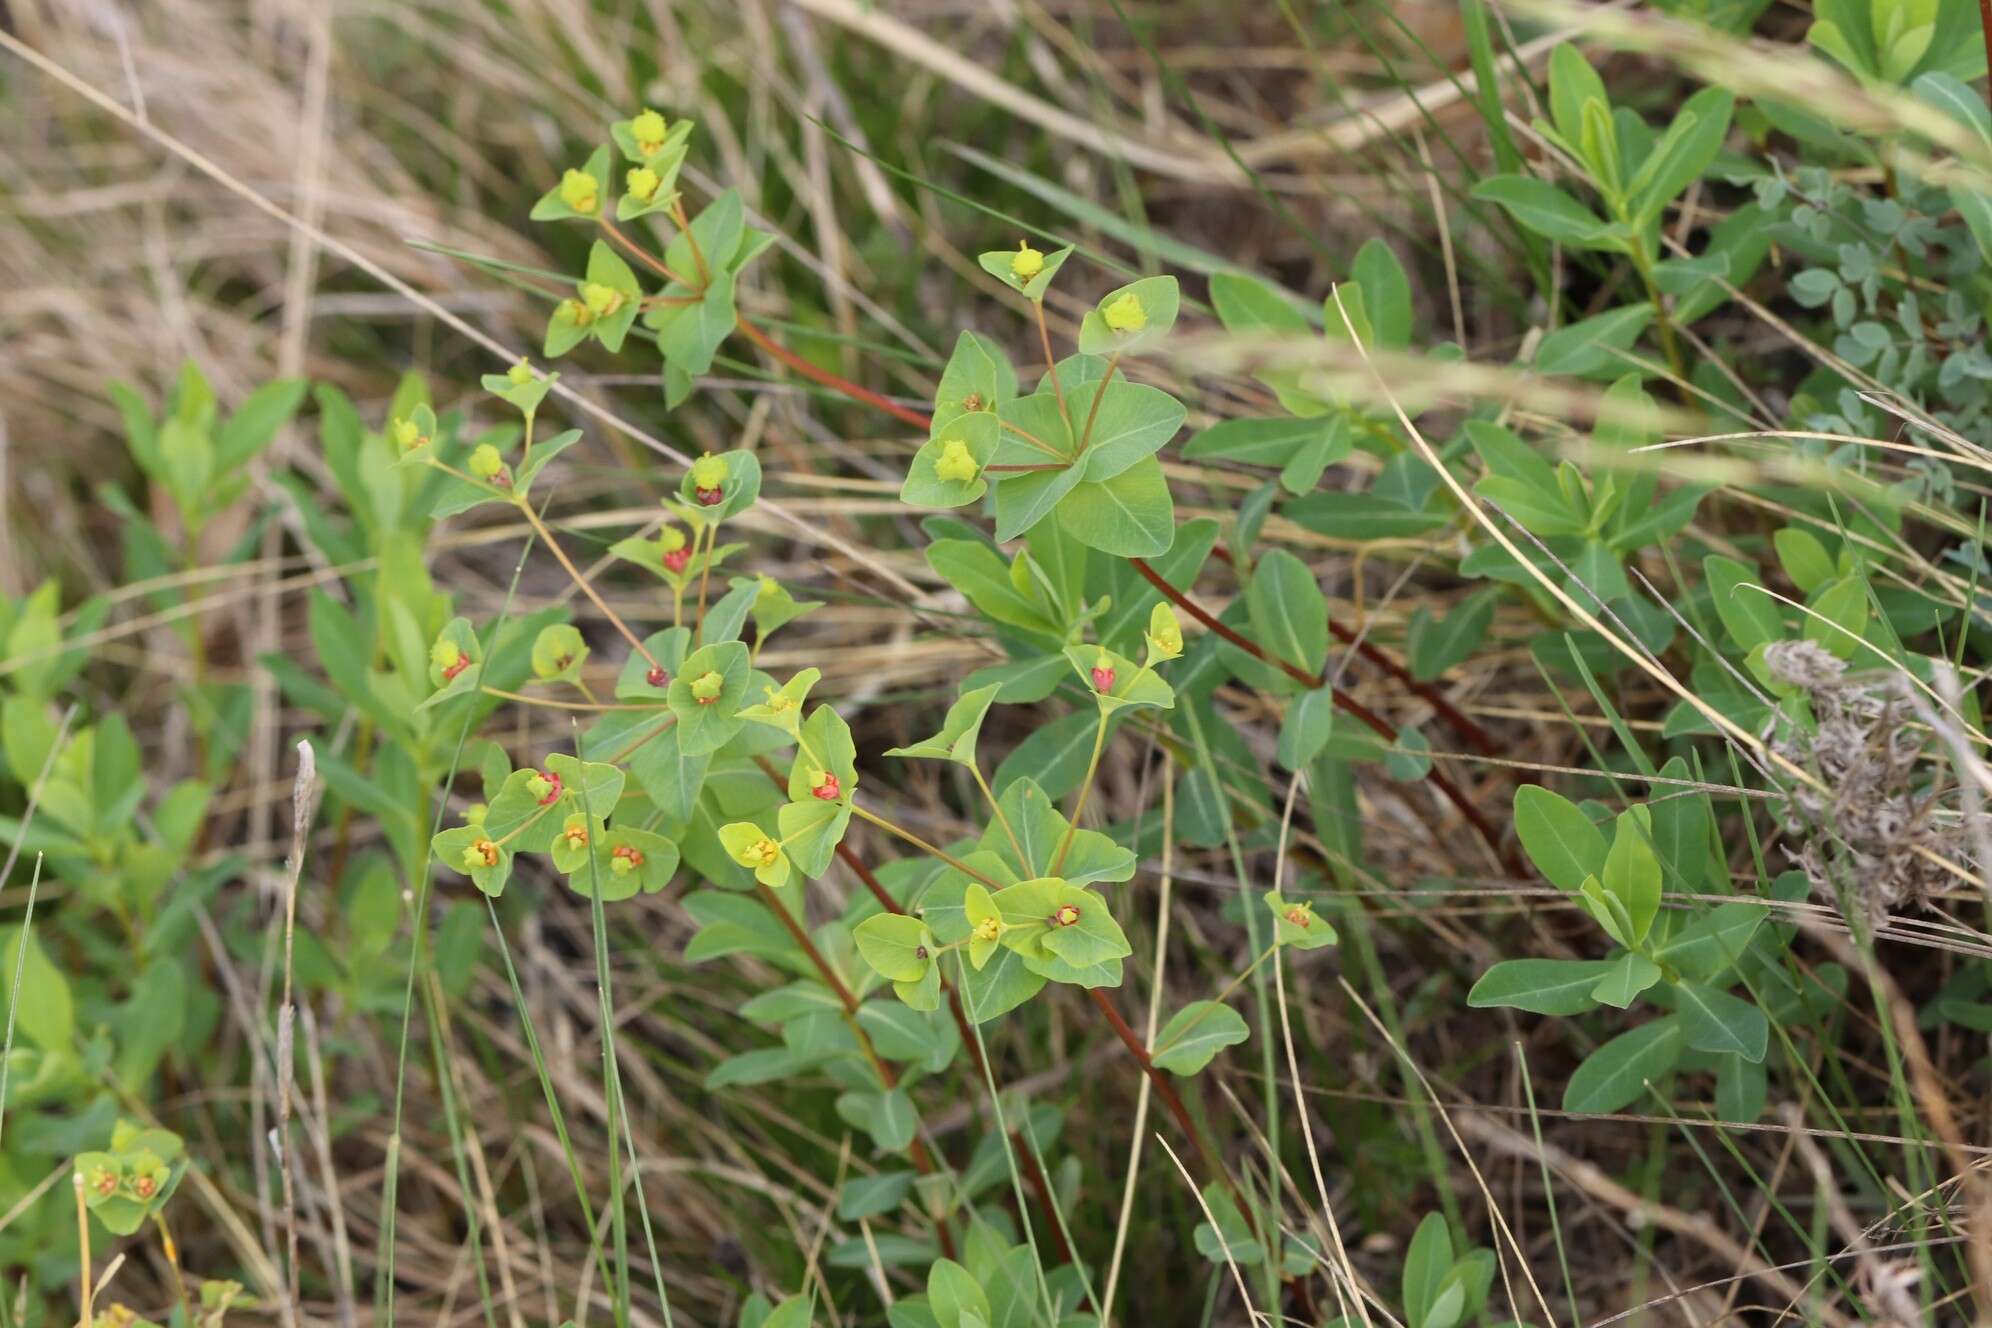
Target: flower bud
[[1026, 262], [575, 832], [1165, 633], [763, 852], [407, 435], [1300, 915], [519, 374], [1125, 314], [825, 786], [709, 476], [544, 788], [448, 656], [657, 677], [581, 192], [647, 128], [575, 312], [481, 853], [955, 462], [601, 300], [486, 463], [104, 1181], [475, 813], [642, 182], [1103, 674], [1067, 915], [625, 860], [707, 687]]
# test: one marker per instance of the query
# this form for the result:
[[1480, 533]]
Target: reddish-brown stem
[[648, 259], [1483, 742], [815, 373], [1343, 701], [923, 1162]]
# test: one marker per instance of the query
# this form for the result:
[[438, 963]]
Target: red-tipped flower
[[657, 677], [1103, 677], [825, 786]]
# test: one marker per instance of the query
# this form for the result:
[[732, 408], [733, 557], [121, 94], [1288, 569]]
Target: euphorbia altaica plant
[[703, 759]]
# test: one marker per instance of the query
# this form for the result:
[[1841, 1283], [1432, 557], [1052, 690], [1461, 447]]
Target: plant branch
[[1343, 701], [815, 373]]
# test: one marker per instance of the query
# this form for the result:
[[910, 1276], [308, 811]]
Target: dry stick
[[304, 804], [1343, 701], [588, 589]]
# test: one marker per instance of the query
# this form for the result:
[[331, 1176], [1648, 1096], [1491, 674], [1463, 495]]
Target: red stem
[[918, 419], [1343, 701]]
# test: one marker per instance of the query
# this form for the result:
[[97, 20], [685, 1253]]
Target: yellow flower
[[575, 312], [670, 539], [485, 463], [643, 183], [581, 191], [708, 472], [445, 655], [707, 687], [988, 929], [1026, 262], [1165, 633], [407, 435], [601, 300], [955, 463], [519, 374], [763, 852], [481, 853], [647, 128], [1126, 314]]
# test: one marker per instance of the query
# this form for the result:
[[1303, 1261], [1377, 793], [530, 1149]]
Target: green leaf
[[1560, 840], [1426, 1263], [974, 434], [1749, 616], [1132, 423], [1632, 873], [1616, 1074], [959, 730], [1682, 153], [706, 725], [955, 1297], [898, 946], [978, 379], [1839, 616], [1709, 946], [1026, 498], [996, 263], [1296, 924], [1288, 611], [1195, 1034], [1128, 516], [1245, 304], [1628, 976], [1540, 986], [1435, 646], [1547, 210], [46, 1015], [1386, 292], [1306, 727], [1594, 345], [1148, 304], [1715, 1021]]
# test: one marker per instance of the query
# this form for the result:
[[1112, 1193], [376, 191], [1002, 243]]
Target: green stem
[[930, 850], [1085, 788]]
